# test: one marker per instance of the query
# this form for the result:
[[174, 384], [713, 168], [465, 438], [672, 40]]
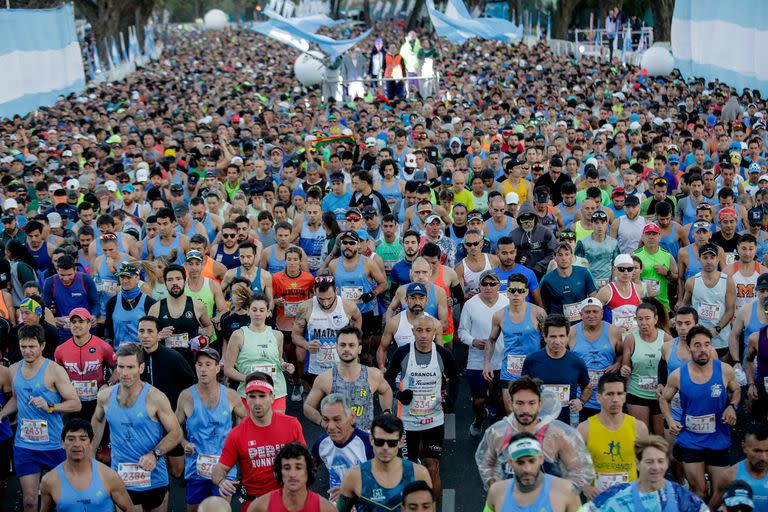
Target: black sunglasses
[[392, 443]]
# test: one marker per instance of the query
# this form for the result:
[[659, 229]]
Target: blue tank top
[[42, 259], [312, 242], [689, 212], [83, 262], [703, 406], [392, 193], [416, 220], [374, 497], [597, 355], [93, 499], [754, 325], [673, 363], [209, 227], [759, 487], [37, 429], [106, 283], [694, 267], [228, 260], [431, 306], [163, 250], [256, 283], [126, 321], [275, 265], [207, 429], [100, 251], [67, 299], [669, 242], [494, 234], [542, 503], [355, 279], [520, 340], [567, 217], [190, 232], [137, 435]]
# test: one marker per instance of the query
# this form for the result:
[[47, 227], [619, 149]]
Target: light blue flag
[[549, 27], [96, 58], [115, 54], [456, 28], [122, 48], [268, 29]]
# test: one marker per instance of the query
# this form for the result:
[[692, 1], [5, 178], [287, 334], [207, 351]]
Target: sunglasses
[[348, 242], [392, 443], [471, 244], [488, 284], [353, 218], [517, 291], [625, 269], [567, 236], [324, 279], [108, 236], [231, 235]]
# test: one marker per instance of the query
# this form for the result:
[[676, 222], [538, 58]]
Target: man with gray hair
[[343, 445]]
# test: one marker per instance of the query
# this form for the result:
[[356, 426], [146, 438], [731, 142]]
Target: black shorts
[[424, 444], [653, 405], [371, 324], [481, 388], [287, 338], [176, 451], [6, 455], [150, 499], [719, 458]]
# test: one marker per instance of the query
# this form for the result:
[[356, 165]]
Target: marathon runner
[[752, 470]]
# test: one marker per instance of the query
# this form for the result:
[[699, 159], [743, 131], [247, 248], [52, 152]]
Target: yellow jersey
[[613, 452]]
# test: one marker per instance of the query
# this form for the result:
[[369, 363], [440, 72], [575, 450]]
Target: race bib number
[[648, 383], [594, 376], [177, 341], [601, 282], [108, 287], [291, 309], [422, 404], [625, 323], [205, 464], [133, 476], [606, 480], [701, 424], [327, 355], [730, 257], [269, 369], [515, 364], [34, 431], [351, 292], [710, 312], [562, 391], [651, 284], [86, 389], [571, 312]]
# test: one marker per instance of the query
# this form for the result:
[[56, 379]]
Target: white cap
[[142, 175], [54, 219], [623, 259], [634, 125], [512, 198], [591, 301], [591, 160], [9, 204], [142, 165], [73, 184], [53, 187], [410, 160], [370, 141], [763, 177], [607, 127], [111, 185], [66, 153], [236, 160]]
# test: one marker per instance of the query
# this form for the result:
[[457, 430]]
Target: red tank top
[[439, 281], [276, 502], [617, 300]]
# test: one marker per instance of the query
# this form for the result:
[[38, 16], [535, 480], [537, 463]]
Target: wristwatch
[[157, 454], [50, 408], [718, 329]]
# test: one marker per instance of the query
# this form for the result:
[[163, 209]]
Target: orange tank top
[[439, 281], [208, 270], [4, 311]]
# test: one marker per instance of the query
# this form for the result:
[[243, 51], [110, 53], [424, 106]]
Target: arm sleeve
[[458, 292], [465, 326], [109, 325], [663, 372], [48, 293], [395, 365]]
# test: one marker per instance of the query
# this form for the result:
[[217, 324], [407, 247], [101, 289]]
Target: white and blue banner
[[722, 40], [457, 25], [40, 58]]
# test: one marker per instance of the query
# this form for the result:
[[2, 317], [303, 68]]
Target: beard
[[176, 292]]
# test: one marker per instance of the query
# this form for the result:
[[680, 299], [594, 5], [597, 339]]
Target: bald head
[[214, 504]]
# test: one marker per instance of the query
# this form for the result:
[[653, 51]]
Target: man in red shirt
[[254, 443], [84, 357]]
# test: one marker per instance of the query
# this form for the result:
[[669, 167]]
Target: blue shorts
[[478, 386], [28, 462], [199, 489]]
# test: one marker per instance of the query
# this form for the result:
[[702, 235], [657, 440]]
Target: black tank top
[[185, 327]]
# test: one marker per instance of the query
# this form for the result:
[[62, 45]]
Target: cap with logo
[[350, 234], [591, 302], [623, 260], [416, 289], [708, 248], [651, 228], [738, 495], [489, 274], [701, 225], [474, 215], [755, 216], [194, 255]]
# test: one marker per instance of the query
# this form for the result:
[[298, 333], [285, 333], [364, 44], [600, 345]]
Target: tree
[[413, 18], [562, 18], [662, 19]]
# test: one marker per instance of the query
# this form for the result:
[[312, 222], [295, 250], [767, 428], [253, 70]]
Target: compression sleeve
[[345, 504], [663, 372]]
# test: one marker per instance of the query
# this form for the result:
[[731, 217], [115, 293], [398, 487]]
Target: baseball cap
[[485, 274], [111, 185], [177, 189], [72, 184], [127, 269], [738, 494], [354, 211], [208, 351], [416, 289], [9, 204], [541, 194], [128, 188], [180, 209], [142, 175], [370, 142], [527, 446], [632, 200], [603, 174], [512, 198], [754, 167], [755, 216], [673, 159], [363, 235], [350, 234], [210, 173], [708, 248], [81, 313], [54, 219], [474, 215], [419, 176], [591, 301], [762, 282], [725, 212], [701, 224], [651, 228], [618, 191], [764, 177], [599, 215], [433, 218], [194, 255], [369, 212], [623, 259], [259, 385]]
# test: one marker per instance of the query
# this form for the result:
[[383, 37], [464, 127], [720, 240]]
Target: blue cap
[[128, 188], [363, 234], [673, 158], [711, 119], [299, 192], [416, 289], [633, 118]]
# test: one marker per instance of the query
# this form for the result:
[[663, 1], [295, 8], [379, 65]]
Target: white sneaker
[[297, 395]]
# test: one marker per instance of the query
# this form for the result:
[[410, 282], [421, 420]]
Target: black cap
[[350, 234], [755, 216], [762, 282], [599, 215], [176, 188], [556, 161], [632, 200], [208, 351], [541, 194], [708, 248], [738, 495], [369, 212]]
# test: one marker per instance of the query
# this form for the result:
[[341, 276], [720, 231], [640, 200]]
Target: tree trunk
[[562, 18], [662, 19], [413, 19], [367, 12], [516, 11]]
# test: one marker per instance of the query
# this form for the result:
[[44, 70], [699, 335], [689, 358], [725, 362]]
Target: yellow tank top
[[520, 190], [613, 452], [581, 231]]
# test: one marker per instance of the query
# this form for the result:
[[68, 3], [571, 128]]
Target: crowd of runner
[[188, 251]]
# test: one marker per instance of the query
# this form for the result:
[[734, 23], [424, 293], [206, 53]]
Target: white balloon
[[658, 61], [309, 69], [215, 19]]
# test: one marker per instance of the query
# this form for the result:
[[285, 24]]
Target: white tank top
[[404, 334], [630, 232], [745, 286], [710, 303], [472, 278], [323, 326], [426, 409]]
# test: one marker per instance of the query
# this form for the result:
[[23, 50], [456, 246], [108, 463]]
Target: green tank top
[[580, 231], [204, 295], [654, 281], [645, 366], [259, 353]]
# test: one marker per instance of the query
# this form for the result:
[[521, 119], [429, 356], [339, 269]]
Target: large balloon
[[658, 61], [309, 69], [215, 19]]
